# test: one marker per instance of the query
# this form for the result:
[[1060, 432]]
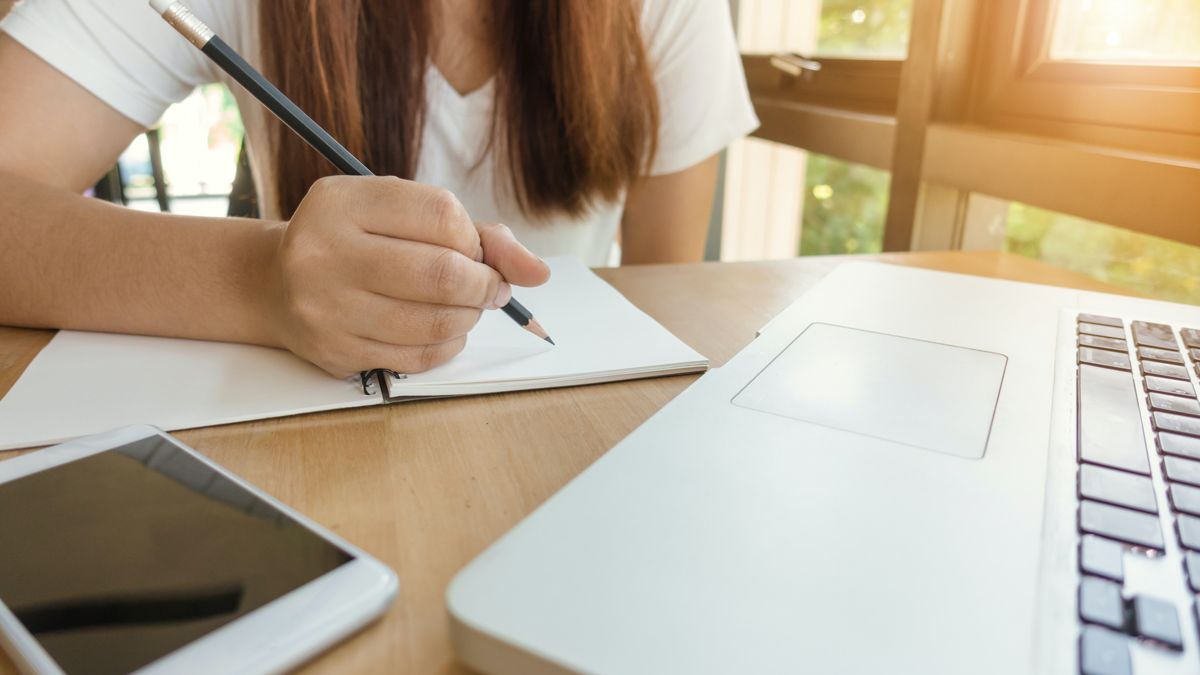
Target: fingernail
[[503, 295]]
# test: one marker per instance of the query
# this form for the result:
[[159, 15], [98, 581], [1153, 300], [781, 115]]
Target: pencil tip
[[536, 328]]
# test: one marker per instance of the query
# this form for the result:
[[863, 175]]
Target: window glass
[[781, 201], [1156, 267], [845, 28], [845, 205], [874, 28], [200, 140], [1163, 31]]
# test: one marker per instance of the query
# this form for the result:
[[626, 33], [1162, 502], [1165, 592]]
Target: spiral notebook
[[84, 383]]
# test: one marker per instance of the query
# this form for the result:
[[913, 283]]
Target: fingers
[[404, 323], [502, 252], [426, 273], [403, 209], [369, 354]]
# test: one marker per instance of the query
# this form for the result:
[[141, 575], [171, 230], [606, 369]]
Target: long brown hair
[[576, 110]]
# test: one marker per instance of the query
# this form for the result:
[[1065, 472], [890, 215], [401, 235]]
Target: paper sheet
[[600, 336], [84, 383]]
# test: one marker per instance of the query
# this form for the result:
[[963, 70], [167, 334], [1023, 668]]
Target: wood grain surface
[[426, 486]]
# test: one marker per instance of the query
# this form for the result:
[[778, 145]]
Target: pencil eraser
[[161, 6]]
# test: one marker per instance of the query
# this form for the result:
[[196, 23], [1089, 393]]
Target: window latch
[[795, 65]]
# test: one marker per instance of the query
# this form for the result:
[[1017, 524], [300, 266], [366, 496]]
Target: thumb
[[503, 253]]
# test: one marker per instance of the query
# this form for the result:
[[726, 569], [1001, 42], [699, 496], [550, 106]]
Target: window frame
[[976, 112], [1145, 107]]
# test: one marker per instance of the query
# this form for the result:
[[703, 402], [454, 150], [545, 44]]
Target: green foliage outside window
[[1157, 267], [876, 28], [845, 205]]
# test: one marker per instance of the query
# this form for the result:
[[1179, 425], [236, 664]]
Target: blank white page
[[84, 383], [600, 336]]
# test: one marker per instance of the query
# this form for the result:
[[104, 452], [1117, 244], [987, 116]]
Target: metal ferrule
[[188, 25]]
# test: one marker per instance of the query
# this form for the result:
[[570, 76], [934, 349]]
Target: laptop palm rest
[[922, 394]]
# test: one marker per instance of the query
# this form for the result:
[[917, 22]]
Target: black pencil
[[200, 35]]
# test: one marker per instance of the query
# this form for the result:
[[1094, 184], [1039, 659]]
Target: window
[[1150, 265], [1150, 31], [875, 28], [1115, 73], [844, 207], [800, 203], [201, 137], [1019, 125], [770, 209]]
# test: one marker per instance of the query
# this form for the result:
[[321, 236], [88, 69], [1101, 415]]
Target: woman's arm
[[666, 217], [67, 261], [369, 273]]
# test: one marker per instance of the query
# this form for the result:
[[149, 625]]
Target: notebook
[[84, 383]]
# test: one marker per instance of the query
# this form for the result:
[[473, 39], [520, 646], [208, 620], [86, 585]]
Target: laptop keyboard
[[1119, 505]]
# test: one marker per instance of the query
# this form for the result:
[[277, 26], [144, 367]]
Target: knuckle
[[447, 273], [326, 185], [329, 359], [412, 359], [427, 357], [443, 204], [391, 183], [447, 214], [442, 325]]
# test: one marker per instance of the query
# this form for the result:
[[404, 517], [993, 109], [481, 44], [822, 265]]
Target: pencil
[[200, 35]]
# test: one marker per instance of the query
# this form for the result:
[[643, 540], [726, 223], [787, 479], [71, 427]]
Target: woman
[[559, 118]]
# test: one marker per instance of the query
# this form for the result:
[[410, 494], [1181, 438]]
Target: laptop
[[906, 472]]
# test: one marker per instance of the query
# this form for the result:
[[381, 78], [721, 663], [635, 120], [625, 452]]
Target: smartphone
[[129, 551]]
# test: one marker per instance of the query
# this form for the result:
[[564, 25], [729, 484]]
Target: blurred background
[[1062, 130]]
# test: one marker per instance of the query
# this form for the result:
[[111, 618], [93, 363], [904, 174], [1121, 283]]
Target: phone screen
[[120, 558]]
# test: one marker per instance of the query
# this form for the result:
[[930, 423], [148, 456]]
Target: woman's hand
[[376, 272]]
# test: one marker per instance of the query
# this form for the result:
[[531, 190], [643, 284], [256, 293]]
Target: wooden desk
[[427, 486]]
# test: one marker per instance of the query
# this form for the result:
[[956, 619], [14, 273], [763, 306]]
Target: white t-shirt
[[123, 52]]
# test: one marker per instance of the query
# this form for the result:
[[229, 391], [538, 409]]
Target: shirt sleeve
[[119, 50], [703, 99]]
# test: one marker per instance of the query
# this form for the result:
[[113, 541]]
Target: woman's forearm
[[67, 261]]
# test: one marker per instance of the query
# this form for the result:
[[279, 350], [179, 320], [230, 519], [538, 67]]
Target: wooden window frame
[[978, 106], [1143, 107]]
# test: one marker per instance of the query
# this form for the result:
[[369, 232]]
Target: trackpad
[[923, 394]]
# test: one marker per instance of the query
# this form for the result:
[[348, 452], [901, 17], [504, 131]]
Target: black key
[[1191, 337], [1103, 652], [1114, 522], [1102, 557], [1189, 531], [1167, 386], [1174, 444], [1103, 343], [1180, 424], [1164, 370], [1110, 423], [1185, 498], [1175, 404], [1191, 563], [1117, 487], [1101, 331], [1103, 357], [1156, 354], [1157, 620], [1102, 320], [1100, 602], [1159, 335], [1182, 470]]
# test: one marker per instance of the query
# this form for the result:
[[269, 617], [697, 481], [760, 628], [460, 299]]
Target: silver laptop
[[906, 472]]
